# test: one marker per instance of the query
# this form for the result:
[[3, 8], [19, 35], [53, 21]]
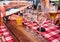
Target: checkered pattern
[[30, 24], [52, 34], [6, 34]]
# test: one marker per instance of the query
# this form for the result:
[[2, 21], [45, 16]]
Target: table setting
[[5, 35], [51, 33], [45, 27]]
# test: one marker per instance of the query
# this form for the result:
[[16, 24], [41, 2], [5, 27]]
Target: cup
[[19, 20]]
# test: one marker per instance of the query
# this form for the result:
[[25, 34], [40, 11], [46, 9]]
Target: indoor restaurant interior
[[29, 20]]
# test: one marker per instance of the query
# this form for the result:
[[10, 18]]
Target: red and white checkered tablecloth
[[6, 34], [52, 34]]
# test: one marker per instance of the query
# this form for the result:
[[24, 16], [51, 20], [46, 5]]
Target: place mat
[[6, 34], [52, 34]]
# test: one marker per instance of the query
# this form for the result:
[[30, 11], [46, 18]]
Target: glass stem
[[52, 22]]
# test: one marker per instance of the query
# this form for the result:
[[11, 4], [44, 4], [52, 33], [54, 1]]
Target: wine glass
[[41, 21], [53, 13], [42, 18], [52, 16]]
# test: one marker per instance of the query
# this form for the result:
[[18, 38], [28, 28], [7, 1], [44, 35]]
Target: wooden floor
[[20, 33]]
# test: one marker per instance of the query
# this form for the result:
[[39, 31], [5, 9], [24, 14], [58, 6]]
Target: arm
[[2, 9]]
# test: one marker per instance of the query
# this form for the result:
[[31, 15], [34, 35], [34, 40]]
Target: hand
[[57, 20], [58, 11]]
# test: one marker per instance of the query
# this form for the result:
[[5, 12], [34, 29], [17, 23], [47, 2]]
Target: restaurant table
[[5, 34], [52, 33], [21, 33]]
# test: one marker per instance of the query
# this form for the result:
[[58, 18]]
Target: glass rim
[[42, 12]]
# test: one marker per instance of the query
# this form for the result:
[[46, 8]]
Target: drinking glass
[[52, 16], [42, 18], [19, 20], [53, 13]]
